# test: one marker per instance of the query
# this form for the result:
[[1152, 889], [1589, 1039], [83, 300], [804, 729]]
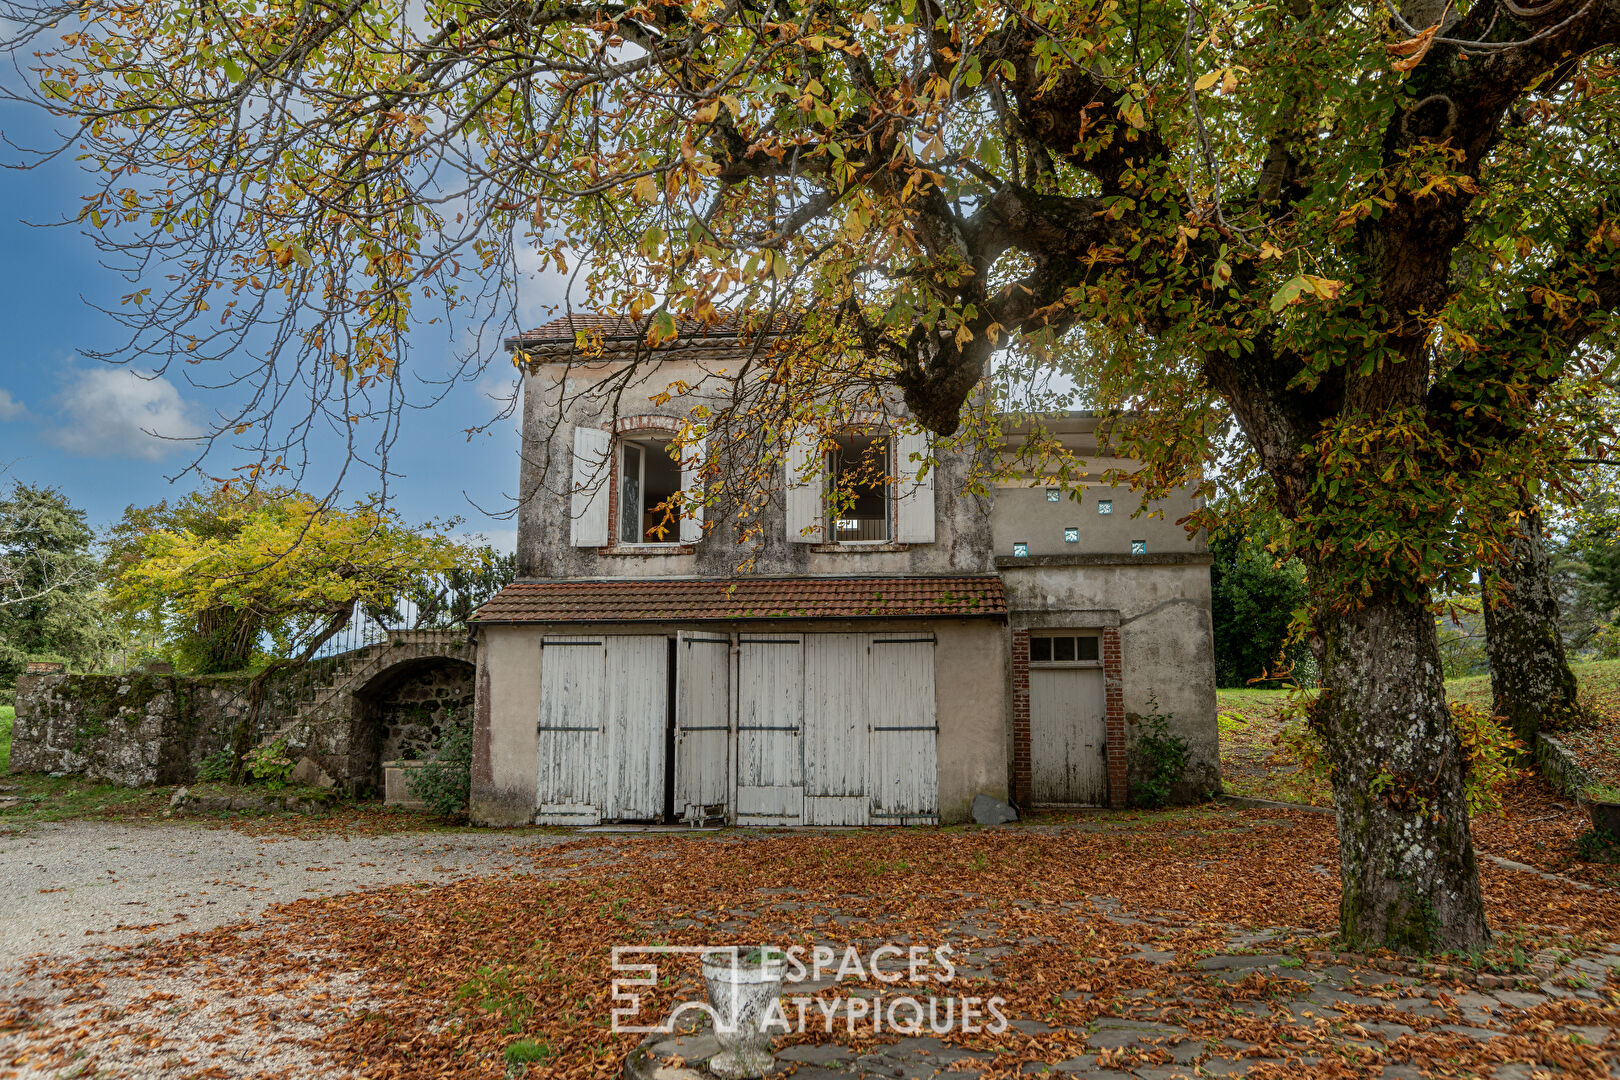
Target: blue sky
[[77, 423]]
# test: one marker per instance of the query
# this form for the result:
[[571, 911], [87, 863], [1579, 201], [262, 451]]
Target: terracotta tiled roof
[[620, 328], [702, 599]]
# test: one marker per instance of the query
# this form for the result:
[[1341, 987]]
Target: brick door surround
[[1113, 717]]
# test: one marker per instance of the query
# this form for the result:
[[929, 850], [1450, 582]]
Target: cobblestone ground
[[1361, 1014]]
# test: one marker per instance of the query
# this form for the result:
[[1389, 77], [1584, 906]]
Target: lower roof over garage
[[705, 599]]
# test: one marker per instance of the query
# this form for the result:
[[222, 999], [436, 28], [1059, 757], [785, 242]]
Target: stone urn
[[743, 985]]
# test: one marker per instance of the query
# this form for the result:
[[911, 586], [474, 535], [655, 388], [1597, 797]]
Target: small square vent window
[[1071, 535], [1053, 494], [1138, 547], [1020, 549], [1105, 506]]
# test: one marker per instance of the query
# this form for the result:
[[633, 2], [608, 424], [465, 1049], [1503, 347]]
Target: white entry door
[[1067, 736], [702, 727], [573, 699], [770, 725], [903, 758], [837, 713]]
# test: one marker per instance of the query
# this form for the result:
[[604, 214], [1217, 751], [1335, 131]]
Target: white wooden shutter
[[588, 508], [914, 494], [806, 508], [691, 481]]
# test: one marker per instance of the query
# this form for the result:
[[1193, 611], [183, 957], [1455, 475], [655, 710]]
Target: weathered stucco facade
[[1095, 615]]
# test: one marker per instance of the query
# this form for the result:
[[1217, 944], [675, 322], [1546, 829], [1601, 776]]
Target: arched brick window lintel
[[628, 425]]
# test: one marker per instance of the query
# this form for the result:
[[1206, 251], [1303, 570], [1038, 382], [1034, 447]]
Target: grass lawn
[[1250, 721], [8, 713]]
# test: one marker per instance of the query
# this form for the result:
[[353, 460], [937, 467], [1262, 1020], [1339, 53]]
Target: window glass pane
[[1052, 494], [1071, 535], [1088, 648], [858, 488], [1105, 506], [1138, 547], [1040, 650], [661, 512], [630, 495], [1020, 549], [1062, 648]]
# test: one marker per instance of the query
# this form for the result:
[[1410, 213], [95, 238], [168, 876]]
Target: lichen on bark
[[1407, 867]]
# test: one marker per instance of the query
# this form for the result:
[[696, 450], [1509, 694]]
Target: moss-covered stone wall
[[134, 729]]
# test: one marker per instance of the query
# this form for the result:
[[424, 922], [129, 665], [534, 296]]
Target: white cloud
[[114, 412], [10, 407]]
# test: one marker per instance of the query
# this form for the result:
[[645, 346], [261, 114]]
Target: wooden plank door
[[1068, 736], [702, 727], [835, 728], [569, 781], [636, 721], [770, 725], [904, 743]]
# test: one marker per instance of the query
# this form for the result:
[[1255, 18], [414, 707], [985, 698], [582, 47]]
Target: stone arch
[[401, 710]]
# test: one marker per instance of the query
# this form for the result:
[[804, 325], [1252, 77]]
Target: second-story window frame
[[834, 462], [646, 457], [596, 518], [911, 508]]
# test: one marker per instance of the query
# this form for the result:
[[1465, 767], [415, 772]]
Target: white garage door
[[604, 706], [702, 727], [905, 734], [770, 724], [824, 729], [836, 712]]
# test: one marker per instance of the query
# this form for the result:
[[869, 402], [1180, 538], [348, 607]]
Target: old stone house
[[881, 663]]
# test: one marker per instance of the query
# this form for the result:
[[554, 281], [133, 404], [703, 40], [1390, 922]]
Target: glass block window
[[1105, 506], [1020, 549], [1138, 547], [1053, 495], [1071, 535]]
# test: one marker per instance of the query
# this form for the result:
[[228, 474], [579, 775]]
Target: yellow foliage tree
[[293, 566]]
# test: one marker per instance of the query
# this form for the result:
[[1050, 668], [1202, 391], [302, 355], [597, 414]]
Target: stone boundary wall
[[136, 729], [1559, 766]]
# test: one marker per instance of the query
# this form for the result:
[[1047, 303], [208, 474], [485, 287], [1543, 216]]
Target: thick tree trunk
[[1530, 676], [1406, 860]]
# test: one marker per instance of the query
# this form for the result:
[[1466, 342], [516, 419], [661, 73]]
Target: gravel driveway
[[68, 886]]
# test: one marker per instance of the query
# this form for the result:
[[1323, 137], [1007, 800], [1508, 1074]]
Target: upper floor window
[[870, 485], [860, 482], [628, 489], [649, 492]]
